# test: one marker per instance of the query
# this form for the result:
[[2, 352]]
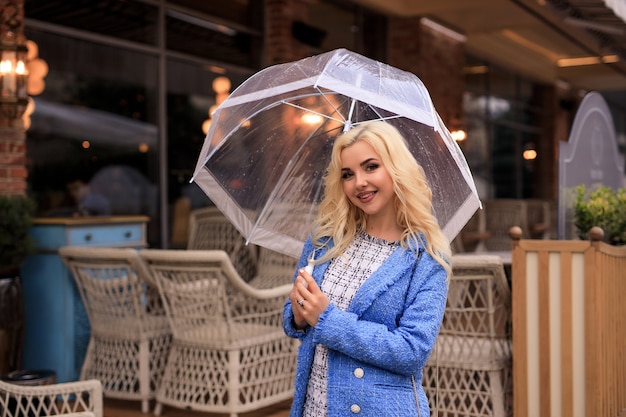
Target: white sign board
[[590, 157]]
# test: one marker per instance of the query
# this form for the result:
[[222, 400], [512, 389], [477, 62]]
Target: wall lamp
[[13, 72], [13, 75]]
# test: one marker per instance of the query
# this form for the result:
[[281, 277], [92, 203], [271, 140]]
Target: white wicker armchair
[[229, 354], [469, 371], [68, 399], [209, 229], [130, 335]]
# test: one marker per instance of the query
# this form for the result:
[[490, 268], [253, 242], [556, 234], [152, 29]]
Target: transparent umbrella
[[269, 143]]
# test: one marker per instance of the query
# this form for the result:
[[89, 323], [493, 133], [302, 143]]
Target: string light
[[458, 135], [221, 86]]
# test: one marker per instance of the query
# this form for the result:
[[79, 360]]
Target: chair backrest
[[500, 216], [476, 323], [114, 286], [207, 301], [473, 235], [273, 269], [209, 229], [69, 399], [539, 218]]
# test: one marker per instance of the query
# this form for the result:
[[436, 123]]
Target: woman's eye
[[371, 167], [345, 175]]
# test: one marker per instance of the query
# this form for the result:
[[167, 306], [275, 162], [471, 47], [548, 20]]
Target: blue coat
[[384, 338]]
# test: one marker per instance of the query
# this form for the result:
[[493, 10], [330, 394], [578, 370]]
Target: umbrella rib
[[348, 124], [343, 119], [312, 111], [381, 118]]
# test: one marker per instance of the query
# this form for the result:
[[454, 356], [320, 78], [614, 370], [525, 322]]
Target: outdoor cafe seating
[[229, 353]]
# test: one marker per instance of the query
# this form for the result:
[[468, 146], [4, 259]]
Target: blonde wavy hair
[[340, 220]]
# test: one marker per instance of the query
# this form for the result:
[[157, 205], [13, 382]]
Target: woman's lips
[[366, 197]]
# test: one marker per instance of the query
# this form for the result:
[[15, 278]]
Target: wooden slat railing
[[569, 328]]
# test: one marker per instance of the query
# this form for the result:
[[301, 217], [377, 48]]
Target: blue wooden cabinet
[[56, 328]]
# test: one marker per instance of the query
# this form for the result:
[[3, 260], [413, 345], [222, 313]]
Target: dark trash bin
[[11, 324], [30, 378]]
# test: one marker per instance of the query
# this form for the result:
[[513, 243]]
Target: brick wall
[[436, 59], [13, 172], [280, 45]]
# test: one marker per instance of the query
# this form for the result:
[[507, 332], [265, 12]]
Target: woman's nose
[[361, 180]]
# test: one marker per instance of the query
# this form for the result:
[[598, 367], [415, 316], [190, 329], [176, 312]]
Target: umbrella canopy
[[269, 143]]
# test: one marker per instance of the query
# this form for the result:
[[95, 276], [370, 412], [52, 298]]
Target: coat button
[[358, 372], [355, 408]]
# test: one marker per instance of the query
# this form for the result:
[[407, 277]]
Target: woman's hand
[[307, 300]]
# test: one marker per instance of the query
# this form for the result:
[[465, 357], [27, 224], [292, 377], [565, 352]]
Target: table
[[505, 255]]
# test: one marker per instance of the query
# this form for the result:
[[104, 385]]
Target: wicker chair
[[130, 335], [273, 269], [209, 229], [229, 354], [500, 216], [68, 399], [469, 372]]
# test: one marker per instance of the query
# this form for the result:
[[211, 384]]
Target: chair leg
[[233, 381], [144, 375], [145, 406], [158, 408], [497, 393]]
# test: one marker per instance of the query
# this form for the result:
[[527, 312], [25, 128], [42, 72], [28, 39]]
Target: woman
[[369, 313]]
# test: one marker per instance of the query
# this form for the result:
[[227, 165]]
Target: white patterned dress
[[341, 281]]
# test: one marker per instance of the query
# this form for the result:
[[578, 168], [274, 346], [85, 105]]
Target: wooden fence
[[569, 328]]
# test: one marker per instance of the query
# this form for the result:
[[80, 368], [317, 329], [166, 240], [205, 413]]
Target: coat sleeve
[[402, 348], [288, 324]]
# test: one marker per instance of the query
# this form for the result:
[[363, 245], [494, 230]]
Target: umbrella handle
[[309, 267]]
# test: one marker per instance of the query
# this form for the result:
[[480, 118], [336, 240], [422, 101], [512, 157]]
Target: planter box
[[569, 321]]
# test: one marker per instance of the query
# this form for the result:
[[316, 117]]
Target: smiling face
[[366, 181]]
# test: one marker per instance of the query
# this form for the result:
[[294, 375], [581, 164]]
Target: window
[[99, 119], [505, 124]]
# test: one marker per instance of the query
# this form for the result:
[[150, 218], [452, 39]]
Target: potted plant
[[16, 214], [603, 207]]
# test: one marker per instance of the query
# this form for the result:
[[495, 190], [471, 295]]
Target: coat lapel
[[396, 266]]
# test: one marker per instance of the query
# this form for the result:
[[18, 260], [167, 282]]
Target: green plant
[[603, 207], [16, 213]]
